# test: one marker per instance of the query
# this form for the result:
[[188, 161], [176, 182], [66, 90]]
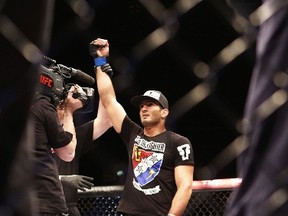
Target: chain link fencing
[[209, 198]]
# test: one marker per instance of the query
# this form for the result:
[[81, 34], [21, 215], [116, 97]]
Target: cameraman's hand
[[71, 104], [99, 48], [78, 181]]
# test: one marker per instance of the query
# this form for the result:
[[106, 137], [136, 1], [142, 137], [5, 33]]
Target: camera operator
[[51, 137]]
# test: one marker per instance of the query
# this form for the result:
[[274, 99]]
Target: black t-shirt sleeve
[[57, 136], [45, 114], [128, 130], [184, 154]]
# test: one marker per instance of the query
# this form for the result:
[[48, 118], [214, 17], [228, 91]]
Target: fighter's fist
[[99, 48]]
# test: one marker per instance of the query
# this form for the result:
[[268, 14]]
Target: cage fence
[[209, 198]]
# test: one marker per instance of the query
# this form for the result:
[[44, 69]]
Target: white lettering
[[151, 145]]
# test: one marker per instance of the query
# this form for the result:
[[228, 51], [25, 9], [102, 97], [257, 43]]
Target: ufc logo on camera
[[46, 80]]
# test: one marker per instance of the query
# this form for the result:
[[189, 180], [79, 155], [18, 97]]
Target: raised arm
[[105, 87], [102, 122]]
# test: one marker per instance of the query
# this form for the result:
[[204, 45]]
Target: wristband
[[99, 61], [170, 214]]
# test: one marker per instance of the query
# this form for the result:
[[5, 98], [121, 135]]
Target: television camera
[[52, 83]]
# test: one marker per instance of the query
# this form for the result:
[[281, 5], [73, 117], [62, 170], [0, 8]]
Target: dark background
[[197, 35]]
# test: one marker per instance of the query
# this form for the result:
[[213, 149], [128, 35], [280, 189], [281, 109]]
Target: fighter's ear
[[164, 113]]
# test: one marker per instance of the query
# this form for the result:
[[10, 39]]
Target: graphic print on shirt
[[147, 159], [184, 151]]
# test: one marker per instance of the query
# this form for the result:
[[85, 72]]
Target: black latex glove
[[78, 181], [107, 69]]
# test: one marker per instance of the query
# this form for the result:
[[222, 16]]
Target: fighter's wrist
[[99, 61]]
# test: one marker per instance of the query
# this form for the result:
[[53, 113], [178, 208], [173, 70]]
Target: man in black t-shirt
[[52, 137], [161, 162]]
